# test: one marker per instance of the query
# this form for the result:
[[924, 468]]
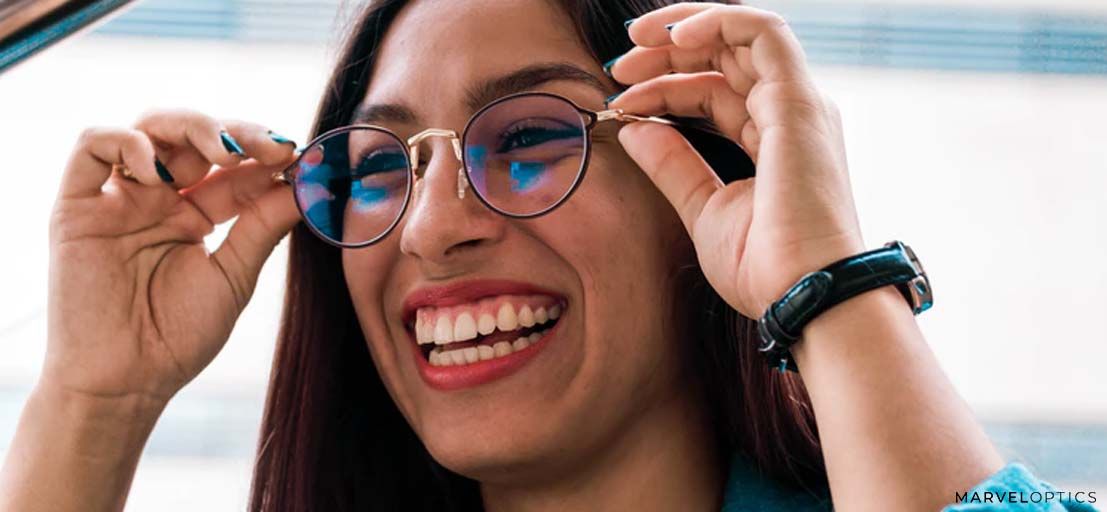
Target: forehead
[[436, 51]]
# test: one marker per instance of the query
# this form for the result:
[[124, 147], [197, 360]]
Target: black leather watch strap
[[894, 264]]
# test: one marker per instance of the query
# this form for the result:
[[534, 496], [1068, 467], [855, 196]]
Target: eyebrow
[[486, 92]]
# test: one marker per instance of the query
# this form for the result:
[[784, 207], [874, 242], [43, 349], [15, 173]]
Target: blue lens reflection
[[372, 179], [526, 175], [366, 197]]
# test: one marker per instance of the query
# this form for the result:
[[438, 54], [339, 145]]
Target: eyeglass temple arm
[[618, 114]]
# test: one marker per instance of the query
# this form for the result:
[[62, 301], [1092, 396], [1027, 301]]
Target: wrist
[[125, 418], [92, 444], [785, 322], [842, 327], [804, 260]]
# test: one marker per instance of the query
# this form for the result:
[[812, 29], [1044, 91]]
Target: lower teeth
[[469, 355]]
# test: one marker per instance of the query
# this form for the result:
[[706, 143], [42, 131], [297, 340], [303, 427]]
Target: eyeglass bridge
[[455, 140]]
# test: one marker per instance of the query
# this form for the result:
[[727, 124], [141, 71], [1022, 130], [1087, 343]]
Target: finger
[[261, 143], [189, 142], [260, 226], [674, 166], [643, 63], [649, 29], [226, 191], [707, 95], [776, 54], [97, 150]]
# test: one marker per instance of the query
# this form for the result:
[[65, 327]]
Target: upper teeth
[[464, 322]]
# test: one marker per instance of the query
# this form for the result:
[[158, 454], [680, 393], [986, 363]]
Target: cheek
[[367, 278], [372, 275], [624, 241], [624, 219]]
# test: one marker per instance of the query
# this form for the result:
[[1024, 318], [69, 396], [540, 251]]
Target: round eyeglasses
[[523, 155]]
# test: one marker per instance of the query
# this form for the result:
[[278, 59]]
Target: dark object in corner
[[30, 26]]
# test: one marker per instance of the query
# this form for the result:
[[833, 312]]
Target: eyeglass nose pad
[[462, 182]]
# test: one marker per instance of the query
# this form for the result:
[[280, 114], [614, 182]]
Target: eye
[[380, 161], [531, 132]]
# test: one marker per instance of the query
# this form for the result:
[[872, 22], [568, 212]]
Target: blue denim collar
[[747, 490]]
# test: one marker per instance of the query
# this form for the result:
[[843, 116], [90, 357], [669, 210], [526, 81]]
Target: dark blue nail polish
[[230, 144], [611, 98], [280, 139], [163, 172], [626, 24], [607, 65], [670, 26]]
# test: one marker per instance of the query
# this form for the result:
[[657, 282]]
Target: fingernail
[[280, 139], [670, 26], [626, 24], [163, 172], [230, 144], [611, 98], [607, 65]]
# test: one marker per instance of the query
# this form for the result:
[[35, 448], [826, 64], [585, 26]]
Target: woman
[[471, 346]]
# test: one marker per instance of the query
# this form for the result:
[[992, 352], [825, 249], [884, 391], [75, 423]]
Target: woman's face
[[601, 263]]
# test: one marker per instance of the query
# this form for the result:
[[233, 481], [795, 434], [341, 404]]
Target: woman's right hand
[[137, 305]]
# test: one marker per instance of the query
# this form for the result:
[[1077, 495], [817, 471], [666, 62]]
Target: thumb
[[261, 224], [674, 166]]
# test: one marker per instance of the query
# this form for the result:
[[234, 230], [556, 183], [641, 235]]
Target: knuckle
[[137, 142], [775, 21], [90, 136], [240, 126], [101, 135], [199, 125], [205, 121]]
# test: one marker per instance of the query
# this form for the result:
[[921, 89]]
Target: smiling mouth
[[491, 328]]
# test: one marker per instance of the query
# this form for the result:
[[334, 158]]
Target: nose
[[446, 228]]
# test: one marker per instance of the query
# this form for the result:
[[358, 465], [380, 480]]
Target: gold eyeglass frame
[[590, 119]]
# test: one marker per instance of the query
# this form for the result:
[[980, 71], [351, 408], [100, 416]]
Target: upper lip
[[463, 292]]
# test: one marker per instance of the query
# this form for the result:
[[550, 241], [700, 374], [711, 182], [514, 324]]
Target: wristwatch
[[783, 321]]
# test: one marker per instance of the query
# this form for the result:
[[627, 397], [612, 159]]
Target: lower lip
[[449, 378]]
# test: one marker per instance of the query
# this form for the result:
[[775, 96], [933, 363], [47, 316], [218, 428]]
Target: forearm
[[895, 433], [73, 452]]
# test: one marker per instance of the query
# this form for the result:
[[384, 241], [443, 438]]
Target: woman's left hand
[[742, 68]]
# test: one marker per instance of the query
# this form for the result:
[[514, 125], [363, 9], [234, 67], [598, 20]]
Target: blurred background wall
[[975, 133]]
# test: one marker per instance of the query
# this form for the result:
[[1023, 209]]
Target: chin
[[490, 451]]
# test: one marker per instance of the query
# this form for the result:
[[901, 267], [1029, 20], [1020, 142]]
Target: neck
[[666, 460]]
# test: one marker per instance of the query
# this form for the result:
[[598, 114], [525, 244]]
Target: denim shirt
[[748, 491]]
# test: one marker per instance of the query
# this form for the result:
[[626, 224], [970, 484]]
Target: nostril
[[468, 244]]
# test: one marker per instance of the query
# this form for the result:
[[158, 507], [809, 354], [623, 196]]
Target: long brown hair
[[333, 440]]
